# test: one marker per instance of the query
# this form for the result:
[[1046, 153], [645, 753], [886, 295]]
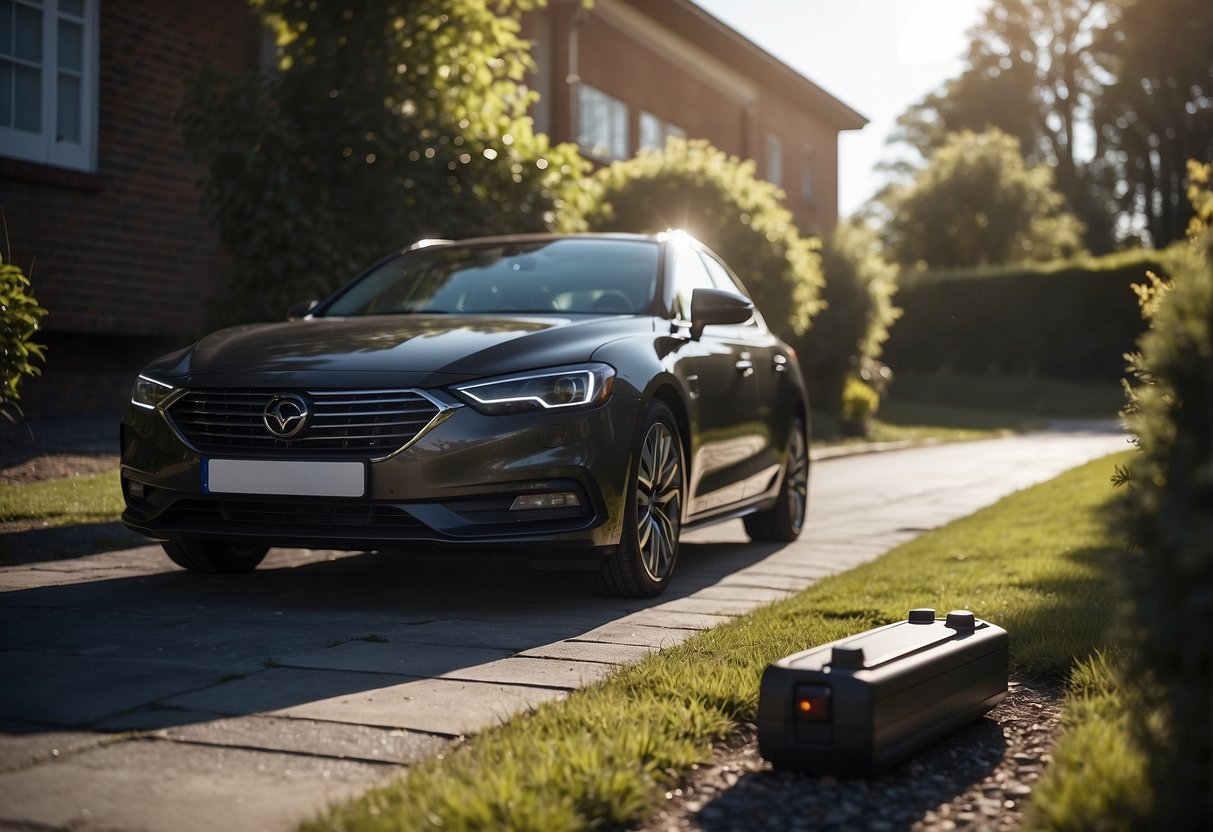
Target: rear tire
[[652, 519], [783, 521], [215, 558]]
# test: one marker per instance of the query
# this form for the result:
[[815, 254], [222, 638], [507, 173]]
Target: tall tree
[[1159, 111], [1030, 72], [977, 203], [382, 123]]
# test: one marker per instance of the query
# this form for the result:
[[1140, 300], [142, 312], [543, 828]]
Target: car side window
[[723, 279], [689, 275]]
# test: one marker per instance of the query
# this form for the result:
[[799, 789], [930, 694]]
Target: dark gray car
[[581, 399]]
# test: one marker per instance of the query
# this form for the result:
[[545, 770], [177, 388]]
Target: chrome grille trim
[[378, 423]]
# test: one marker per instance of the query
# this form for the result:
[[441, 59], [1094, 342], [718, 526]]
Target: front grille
[[350, 421], [291, 517]]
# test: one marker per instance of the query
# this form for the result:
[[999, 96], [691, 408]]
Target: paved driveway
[[136, 696]]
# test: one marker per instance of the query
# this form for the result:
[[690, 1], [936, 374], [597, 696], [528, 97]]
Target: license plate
[[287, 478]]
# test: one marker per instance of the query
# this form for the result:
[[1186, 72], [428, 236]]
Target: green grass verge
[[68, 501], [1022, 396], [1098, 779], [1037, 563], [961, 406]]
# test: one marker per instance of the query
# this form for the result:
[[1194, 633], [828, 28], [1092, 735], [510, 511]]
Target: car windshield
[[567, 276]]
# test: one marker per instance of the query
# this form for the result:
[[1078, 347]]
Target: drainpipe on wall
[[573, 79]]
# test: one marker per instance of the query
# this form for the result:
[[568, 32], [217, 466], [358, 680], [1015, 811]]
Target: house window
[[654, 131], [806, 174], [774, 160], [48, 81], [602, 123]]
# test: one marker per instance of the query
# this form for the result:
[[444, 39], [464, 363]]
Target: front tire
[[783, 521], [652, 519], [214, 558]]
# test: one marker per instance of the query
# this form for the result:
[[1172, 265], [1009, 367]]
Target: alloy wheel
[[798, 476], [659, 501]]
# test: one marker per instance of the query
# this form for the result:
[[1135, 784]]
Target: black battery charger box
[[859, 705]]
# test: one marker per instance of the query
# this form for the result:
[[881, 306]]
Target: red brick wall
[[124, 251], [615, 63], [795, 129]]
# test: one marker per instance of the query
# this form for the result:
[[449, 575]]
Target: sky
[[876, 56]]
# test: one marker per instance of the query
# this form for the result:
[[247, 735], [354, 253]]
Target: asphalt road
[[136, 696]]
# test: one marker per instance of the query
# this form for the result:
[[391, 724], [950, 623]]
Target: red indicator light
[[812, 703]]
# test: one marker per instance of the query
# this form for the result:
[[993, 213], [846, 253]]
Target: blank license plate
[[285, 478]]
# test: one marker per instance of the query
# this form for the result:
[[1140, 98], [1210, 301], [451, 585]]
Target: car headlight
[[148, 392], [564, 387]]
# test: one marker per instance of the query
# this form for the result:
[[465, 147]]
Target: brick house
[[99, 193], [625, 74]]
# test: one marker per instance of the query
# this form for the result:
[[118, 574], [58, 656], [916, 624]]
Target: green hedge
[[1070, 320], [1170, 506]]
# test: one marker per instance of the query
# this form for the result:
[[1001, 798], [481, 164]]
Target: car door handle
[[744, 365]]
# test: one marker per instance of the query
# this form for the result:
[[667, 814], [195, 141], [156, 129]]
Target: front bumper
[[453, 486]]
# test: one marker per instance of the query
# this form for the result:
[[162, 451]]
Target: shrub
[[858, 310], [380, 126], [718, 199], [859, 405], [1069, 320], [1170, 503], [19, 316], [976, 203]]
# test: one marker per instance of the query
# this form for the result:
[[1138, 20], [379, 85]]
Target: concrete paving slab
[[442, 706], [399, 658], [590, 651], [80, 690], [160, 786], [679, 619], [509, 635], [524, 670], [22, 746], [277, 688], [715, 606], [304, 736], [737, 592], [642, 635]]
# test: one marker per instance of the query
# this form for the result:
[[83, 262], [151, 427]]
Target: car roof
[[659, 237]]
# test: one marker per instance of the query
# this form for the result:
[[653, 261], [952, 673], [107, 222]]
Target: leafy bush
[[857, 312], [859, 405], [19, 316], [976, 203], [1068, 320], [1170, 501], [379, 127], [719, 200]]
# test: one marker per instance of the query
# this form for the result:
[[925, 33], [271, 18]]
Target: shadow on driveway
[[167, 648]]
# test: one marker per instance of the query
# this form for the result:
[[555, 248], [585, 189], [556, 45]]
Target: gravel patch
[[979, 777], [55, 466]]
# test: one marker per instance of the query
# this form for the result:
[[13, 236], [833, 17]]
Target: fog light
[[135, 489], [557, 499]]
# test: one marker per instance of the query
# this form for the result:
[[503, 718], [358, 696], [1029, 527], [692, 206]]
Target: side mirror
[[300, 310], [717, 306]]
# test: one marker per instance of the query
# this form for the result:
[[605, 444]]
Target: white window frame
[[44, 146], [612, 143], [655, 131], [774, 159]]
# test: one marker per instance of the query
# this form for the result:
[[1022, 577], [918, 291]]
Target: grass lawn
[[962, 406], [1037, 563], [67, 501]]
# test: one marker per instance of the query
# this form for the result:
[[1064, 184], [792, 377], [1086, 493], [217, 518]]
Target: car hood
[[392, 349]]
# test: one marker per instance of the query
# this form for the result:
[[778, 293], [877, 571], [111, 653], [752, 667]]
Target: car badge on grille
[[286, 415]]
